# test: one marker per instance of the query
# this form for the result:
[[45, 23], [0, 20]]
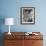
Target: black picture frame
[[27, 15]]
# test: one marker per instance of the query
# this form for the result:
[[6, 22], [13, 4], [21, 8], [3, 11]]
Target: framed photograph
[[27, 15]]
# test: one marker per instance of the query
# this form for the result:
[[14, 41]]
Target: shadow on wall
[[2, 21]]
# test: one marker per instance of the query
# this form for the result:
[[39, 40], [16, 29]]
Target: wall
[[11, 8]]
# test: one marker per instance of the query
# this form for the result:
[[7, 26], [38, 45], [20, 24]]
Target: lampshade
[[9, 21]]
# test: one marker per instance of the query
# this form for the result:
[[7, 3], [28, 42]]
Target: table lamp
[[9, 21]]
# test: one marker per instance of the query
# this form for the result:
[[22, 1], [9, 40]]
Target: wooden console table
[[20, 39]]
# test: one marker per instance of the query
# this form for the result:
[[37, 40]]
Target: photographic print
[[27, 15]]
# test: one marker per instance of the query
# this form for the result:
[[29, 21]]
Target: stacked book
[[30, 33]]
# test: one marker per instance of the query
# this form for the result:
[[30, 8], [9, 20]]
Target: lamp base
[[9, 33]]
